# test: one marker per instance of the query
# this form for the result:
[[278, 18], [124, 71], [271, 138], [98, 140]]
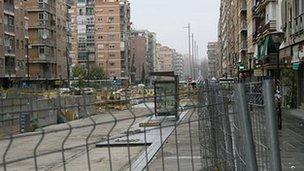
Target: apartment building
[[186, 66], [48, 39], [13, 42], [228, 31], [143, 54], [292, 49], [213, 60], [267, 37], [250, 36], [178, 65], [100, 35], [165, 58]]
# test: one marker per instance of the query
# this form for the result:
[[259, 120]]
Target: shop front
[[298, 67]]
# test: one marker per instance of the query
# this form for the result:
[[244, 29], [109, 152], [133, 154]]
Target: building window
[[111, 37], [90, 38], [80, 11], [41, 50], [40, 16], [112, 55], [99, 29], [100, 46], [90, 11], [111, 19], [17, 43], [43, 33], [297, 8], [111, 28], [111, 46], [90, 20]]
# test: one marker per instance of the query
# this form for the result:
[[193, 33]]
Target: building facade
[[165, 58], [143, 54], [292, 50], [101, 31], [178, 65], [227, 35], [266, 37], [186, 66], [250, 36], [213, 60], [13, 41], [48, 39]]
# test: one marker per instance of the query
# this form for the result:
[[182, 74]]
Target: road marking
[[183, 157]]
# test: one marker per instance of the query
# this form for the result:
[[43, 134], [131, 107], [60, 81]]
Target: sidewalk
[[292, 140]]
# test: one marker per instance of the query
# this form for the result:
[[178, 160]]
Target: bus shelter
[[166, 98]]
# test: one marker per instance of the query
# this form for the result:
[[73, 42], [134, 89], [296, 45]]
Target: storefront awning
[[297, 66], [263, 48], [267, 46]]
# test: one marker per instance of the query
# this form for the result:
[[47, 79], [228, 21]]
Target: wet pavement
[[292, 140]]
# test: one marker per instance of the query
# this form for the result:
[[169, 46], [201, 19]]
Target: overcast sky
[[167, 18]]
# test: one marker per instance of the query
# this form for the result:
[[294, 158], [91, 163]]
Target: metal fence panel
[[219, 128]]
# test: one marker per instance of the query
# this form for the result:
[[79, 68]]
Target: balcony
[[261, 5], [9, 50], [243, 45], [9, 8], [90, 3], [43, 58], [26, 33], [91, 49], [270, 60], [298, 25], [9, 29], [44, 23], [243, 6], [266, 28], [10, 66], [41, 41], [44, 6], [243, 26]]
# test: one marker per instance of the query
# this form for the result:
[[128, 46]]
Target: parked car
[[88, 90]]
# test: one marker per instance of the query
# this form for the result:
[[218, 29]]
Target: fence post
[[211, 114], [227, 128], [250, 156], [271, 126]]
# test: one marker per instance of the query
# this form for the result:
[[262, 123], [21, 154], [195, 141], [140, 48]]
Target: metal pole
[[28, 61], [196, 60], [271, 126], [250, 156], [68, 66], [189, 48], [278, 68], [192, 57], [88, 70]]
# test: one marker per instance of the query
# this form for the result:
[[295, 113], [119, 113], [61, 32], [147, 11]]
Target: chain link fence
[[218, 128]]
